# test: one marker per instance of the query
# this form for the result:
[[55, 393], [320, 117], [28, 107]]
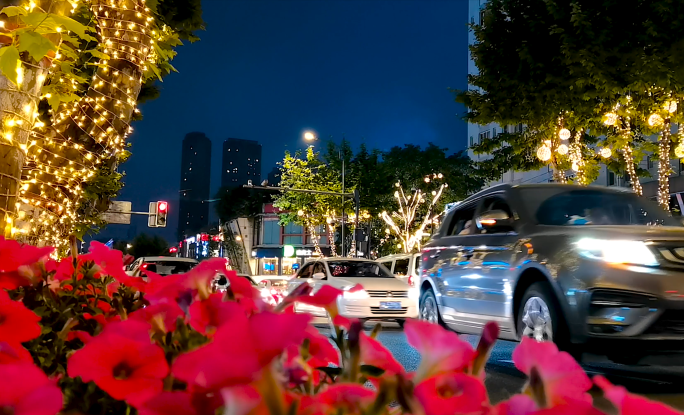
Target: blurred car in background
[[269, 295], [383, 296], [406, 267], [161, 265]]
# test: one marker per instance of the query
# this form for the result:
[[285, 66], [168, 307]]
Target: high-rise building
[[193, 209], [274, 177], [241, 162]]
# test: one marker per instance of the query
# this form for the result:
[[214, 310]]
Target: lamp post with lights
[[310, 136]]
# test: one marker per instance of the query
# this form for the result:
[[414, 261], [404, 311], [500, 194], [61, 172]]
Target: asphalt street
[[665, 384]]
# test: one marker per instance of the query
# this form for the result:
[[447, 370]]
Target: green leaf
[[73, 26], [9, 62], [96, 53], [156, 71], [11, 11], [36, 45]]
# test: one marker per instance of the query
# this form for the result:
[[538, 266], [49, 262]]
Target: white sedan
[[384, 297]]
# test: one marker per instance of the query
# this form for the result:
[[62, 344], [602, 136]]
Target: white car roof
[[396, 256], [168, 259]]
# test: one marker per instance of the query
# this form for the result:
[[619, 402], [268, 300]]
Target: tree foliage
[[565, 64]]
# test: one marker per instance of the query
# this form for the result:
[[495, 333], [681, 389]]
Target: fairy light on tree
[[405, 223], [67, 155]]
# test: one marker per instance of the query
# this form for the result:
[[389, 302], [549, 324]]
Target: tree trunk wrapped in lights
[[92, 85], [664, 168], [89, 134], [402, 223]]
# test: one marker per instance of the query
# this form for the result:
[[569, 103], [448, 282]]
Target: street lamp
[[310, 136]]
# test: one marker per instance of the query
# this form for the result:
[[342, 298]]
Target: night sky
[[376, 71]]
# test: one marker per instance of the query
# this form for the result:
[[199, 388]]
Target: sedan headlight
[[617, 251], [355, 295]]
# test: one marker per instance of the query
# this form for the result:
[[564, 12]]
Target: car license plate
[[391, 305]]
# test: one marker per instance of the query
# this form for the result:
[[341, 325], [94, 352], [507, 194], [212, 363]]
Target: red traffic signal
[[173, 250], [162, 207]]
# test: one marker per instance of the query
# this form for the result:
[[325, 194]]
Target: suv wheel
[[537, 317], [428, 308]]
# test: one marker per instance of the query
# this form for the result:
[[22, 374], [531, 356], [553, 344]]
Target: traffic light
[[162, 212]]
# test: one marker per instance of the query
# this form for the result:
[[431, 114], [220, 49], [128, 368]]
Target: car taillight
[[144, 266], [410, 280]]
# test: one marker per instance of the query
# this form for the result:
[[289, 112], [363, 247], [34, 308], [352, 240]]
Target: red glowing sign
[[173, 250], [204, 237]]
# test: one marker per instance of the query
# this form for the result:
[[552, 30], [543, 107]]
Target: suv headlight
[[617, 251]]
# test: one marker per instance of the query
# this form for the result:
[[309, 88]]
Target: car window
[[135, 264], [388, 265], [358, 269], [495, 203], [461, 221], [401, 267], [319, 268], [305, 272], [172, 267], [416, 265], [561, 207]]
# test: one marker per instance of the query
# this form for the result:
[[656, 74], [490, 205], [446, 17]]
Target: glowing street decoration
[[408, 212]]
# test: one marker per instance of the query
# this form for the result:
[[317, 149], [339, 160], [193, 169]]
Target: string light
[[610, 118], [85, 133], [562, 149], [655, 120], [564, 134], [407, 214], [605, 152]]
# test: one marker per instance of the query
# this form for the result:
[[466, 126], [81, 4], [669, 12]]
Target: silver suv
[[584, 267]]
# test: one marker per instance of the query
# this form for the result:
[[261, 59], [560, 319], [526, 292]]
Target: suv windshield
[[360, 269], [560, 207]]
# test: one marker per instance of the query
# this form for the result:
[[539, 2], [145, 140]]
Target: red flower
[[321, 351], [125, 368], [83, 336], [628, 404], [241, 347], [243, 400], [345, 397], [14, 353], [25, 390], [575, 407], [162, 316], [163, 289], [132, 329], [177, 403], [208, 315], [17, 323], [441, 350], [375, 354], [561, 375], [516, 405], [14, 255], [101, 318], [452, 393]]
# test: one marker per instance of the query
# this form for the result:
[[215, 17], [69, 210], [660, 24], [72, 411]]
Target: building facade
[[194, 191], [477, 133], [241, 162], [281, 250]]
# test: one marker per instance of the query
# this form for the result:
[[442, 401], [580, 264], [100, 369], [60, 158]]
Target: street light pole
[[309, 136]]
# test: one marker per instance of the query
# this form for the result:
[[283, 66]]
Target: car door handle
[[468, 254]]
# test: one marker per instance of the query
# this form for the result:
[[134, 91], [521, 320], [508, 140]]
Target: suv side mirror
[[319, 276], [495, 221]]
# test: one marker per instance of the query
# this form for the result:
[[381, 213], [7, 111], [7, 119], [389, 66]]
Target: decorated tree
[[72, 74], [417, 211], [312, 211], [560, 67]]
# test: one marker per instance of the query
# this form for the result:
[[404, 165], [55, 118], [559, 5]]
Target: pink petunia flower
[[441, 350], [560, 373], [125, 368], [162, 316], [26, 390], [452, 393], [628, 404], [177, 403], [208, 315], [375, 354], [18, 324], [14, 255]]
